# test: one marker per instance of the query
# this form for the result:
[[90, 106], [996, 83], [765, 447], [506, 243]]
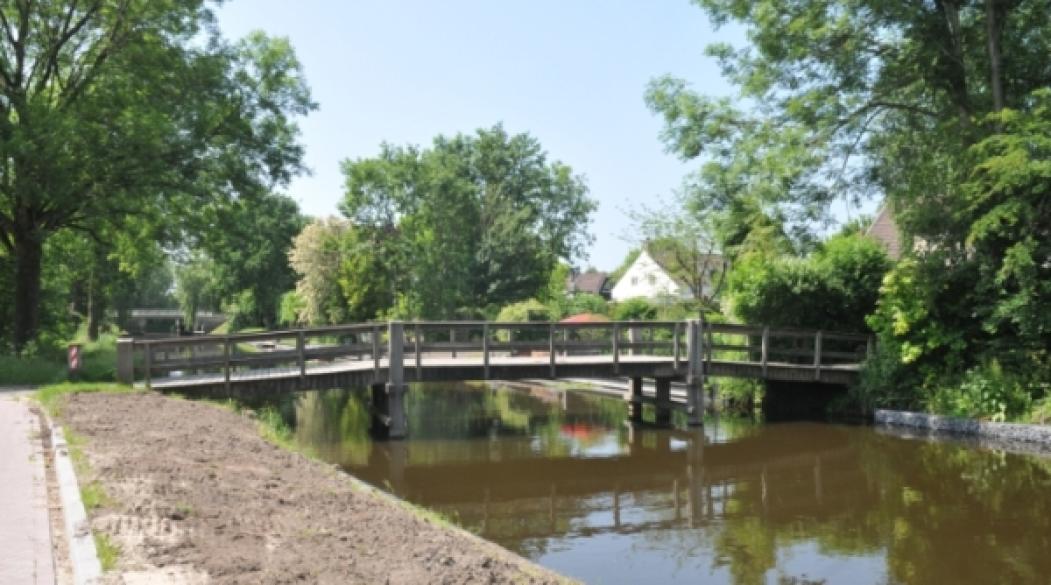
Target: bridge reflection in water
[[559, 477]]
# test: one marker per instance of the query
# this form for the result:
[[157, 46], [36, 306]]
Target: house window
[[651, 279], [634, 280]]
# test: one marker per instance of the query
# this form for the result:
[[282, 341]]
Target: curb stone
[[82, 554]]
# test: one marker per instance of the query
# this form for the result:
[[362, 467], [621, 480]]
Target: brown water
[[559, 478]]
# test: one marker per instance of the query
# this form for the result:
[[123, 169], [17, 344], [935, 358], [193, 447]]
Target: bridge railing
[[436, 342]]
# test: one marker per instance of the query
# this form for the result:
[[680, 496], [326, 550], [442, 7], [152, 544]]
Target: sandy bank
[[196, 496]]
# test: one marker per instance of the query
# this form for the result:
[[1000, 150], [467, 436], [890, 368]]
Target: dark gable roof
[[885, 231], [594, 282], [665, 258]]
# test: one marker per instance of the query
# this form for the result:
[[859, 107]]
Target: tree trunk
[[956, 72], [96, 308], [996, 82], [29, 250]]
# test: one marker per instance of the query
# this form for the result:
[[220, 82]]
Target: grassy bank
[[98, 364]]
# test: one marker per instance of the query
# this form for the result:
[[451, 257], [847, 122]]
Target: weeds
[[108, 552]]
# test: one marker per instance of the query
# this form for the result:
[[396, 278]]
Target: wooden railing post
[[148, 363], [675, 344], [375, 352], [765, 349], [226, 364], [817, 355], [616, 348], [126, 360], [551, 347], [416, 350], [301, 349], [452, 340], [695, 372], [485, 349], [634, 337]]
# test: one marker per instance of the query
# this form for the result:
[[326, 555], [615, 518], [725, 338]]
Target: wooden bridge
[[386, 356]]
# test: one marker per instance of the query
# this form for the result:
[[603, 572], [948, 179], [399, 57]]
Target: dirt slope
[[196, 496]]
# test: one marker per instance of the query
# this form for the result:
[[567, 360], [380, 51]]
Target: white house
[[647, 278]]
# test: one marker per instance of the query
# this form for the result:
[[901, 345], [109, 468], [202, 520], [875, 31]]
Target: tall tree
[[248, 241], [479, 220], [940, 107], [117, 109], [854, 98], [316, 257]]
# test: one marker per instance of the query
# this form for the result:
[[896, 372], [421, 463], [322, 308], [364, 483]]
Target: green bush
[[567, 306], [834, 288], [636, 309], [525, 311], [986, 392]]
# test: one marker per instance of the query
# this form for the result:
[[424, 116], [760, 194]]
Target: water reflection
[[558, 477]]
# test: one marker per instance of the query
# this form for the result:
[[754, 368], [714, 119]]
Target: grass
[[94, 495], [50, 397], [108, 551], [30, 371], [98, 364]]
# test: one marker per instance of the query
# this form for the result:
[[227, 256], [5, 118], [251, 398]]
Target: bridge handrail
[[613, 338]]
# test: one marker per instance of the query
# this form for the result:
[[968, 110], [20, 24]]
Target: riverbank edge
[[1013, 436]]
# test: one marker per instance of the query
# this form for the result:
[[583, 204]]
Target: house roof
[[885, 231], [593, 282], [665, 258], [585, 318]]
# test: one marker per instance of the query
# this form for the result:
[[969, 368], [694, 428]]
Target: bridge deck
[[357, 355]]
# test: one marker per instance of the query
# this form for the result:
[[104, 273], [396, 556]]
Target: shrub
[[637, 309]]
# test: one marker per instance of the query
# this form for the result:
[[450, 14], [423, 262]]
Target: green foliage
[[636, 309], [986, 391], [109, 553], [247, 244], [473, 222], [941, 108], [525, 311], [30, 370], [834, 288], [953, 318], [319, 253], [292, 306], [579, 303], [126, 120]]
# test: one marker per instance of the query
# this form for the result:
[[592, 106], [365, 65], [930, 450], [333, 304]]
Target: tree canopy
[[122, 112], [475, 222], [938, 107]]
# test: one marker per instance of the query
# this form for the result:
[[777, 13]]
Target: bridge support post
[[694, 373], [126, 360], [663, 402], [388, 400], [634, 399]]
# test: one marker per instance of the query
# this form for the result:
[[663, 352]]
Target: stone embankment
[[194, 495], [1008, 435]]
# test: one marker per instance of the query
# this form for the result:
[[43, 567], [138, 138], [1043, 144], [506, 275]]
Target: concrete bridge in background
[[203, 320], [388, 356]]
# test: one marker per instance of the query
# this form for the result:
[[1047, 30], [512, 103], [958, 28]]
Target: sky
[[570, 73]]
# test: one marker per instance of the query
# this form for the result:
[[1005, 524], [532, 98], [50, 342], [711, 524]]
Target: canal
[[558, 477]]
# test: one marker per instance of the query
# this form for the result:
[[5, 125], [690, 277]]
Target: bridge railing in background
[[297, 351]]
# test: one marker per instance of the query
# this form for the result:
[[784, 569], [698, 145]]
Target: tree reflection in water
[[558, 477]]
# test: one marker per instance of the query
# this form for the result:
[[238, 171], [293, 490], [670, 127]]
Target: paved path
[[25, 530]]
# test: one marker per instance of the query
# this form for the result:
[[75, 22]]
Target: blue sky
[[571, 73]]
